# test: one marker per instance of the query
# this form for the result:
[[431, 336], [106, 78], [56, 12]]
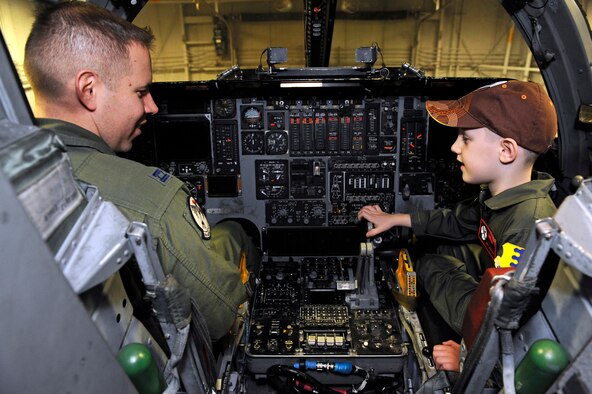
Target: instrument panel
[[294, 167], [292, 161], [277, 157]]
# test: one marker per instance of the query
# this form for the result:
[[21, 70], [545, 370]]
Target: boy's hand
[[447, 356], [381, 220]]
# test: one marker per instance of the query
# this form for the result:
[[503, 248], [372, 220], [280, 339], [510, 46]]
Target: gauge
[[252, 118], [252, 143], [272, 191], [276, 142], [225, 108], [277, 191], [273, 176], [277, 176], [275, 120]]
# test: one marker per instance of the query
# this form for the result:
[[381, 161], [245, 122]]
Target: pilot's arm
[[209, 267]]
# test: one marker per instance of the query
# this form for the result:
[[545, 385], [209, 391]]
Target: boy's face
[[478, 152]]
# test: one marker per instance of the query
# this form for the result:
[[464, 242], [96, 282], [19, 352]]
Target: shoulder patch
[[510, 256], [199, 218], [487, 239], [161, 176]]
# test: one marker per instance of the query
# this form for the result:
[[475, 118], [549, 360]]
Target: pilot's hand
[[381, 220], [447, 356]]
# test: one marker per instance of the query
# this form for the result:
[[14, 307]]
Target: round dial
[[275, 120], [252, 118], [278, 175], [276, 142], [276, 191], [225, 108], [253, 143]]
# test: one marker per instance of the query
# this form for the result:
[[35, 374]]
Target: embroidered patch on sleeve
[[199, 218], [161, 176], [510, 256], [487, 239]]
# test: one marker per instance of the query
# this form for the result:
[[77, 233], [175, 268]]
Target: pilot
[[502, 129], [90, 72]]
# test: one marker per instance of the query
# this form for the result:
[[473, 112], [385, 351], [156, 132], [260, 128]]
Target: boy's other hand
[[447, 356]]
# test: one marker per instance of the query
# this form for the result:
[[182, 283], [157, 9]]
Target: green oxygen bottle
[[539, 368], [140, 367]]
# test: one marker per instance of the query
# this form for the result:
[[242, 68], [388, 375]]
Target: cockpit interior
[[292, 144]]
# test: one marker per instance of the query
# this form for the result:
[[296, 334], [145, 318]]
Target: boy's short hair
[[512, 109]]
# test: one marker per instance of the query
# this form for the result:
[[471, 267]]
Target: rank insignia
[[161, 176]]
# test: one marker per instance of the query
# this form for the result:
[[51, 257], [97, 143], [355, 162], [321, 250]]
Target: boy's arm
[[381, 220], [459, 223]]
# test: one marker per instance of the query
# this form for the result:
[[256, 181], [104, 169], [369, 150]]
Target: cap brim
[[452, 113]]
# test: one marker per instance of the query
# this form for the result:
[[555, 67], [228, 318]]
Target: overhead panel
[[319, 19]]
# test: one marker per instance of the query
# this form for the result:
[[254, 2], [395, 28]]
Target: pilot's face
[[123, 108], [477, 151]]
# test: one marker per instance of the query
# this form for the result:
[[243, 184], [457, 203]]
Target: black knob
[[576, 181]]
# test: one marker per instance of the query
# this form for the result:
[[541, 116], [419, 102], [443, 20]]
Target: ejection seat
[[64, 310], [112, 266]]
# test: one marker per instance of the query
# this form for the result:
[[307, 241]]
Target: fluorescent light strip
[[301, 84]]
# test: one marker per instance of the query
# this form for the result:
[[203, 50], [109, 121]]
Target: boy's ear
[[86, 89], [508, 150]]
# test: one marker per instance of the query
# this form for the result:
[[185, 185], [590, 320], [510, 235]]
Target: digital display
[[183, 138], [223, 186]]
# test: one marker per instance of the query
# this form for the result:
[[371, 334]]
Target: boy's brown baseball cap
[[512, 109]]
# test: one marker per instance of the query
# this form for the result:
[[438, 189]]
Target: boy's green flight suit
[[477, 234]]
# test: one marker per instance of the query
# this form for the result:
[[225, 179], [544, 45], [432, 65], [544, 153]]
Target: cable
[[375, 44], [383, 72], [339, 367], [298, 379], [542, 9], [537, 8], [260, 68]]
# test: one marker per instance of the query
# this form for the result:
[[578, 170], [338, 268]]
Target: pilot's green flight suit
[[209, 268], [477, 234]]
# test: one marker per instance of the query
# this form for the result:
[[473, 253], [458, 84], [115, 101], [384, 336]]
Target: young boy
[[502, 128]]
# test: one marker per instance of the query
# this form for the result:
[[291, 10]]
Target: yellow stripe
[[243, 268]]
